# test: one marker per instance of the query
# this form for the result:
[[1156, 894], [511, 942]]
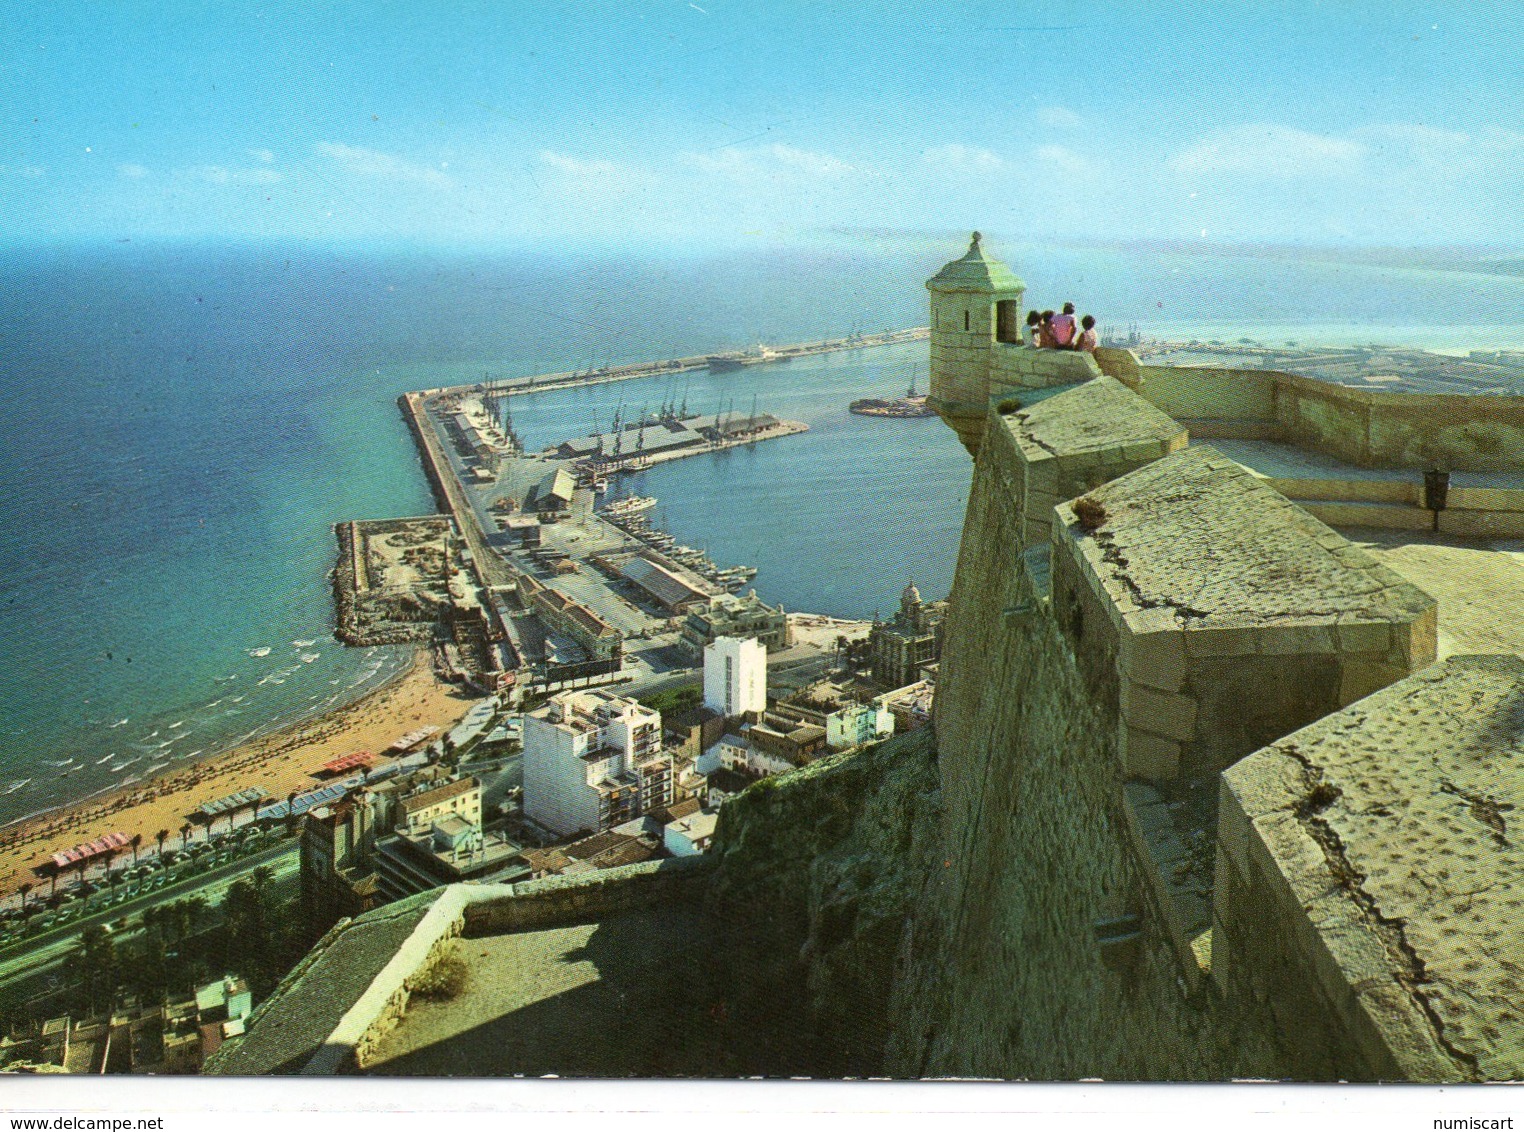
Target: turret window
[[965, 320], [1007, 321]]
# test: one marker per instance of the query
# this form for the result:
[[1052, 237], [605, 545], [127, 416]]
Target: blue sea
[[184, 425]]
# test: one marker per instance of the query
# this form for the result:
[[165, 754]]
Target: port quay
[[560, 575], [719, 362]]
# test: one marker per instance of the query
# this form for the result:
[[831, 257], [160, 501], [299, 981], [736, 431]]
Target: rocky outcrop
[[820, 873]]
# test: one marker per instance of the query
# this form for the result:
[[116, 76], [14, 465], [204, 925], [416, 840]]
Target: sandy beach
[[281, 763]]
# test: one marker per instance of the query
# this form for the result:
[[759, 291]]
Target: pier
[[723, 362]]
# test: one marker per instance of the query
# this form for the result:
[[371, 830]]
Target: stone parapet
[[1369, 884], [1224, 615], [1064, 445]]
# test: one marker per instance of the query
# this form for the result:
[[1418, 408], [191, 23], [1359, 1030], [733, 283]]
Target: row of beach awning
[[106, 843], [413, 738], [348, 762], [241, 800]]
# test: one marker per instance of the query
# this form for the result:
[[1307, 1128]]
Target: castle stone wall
[[1068, 443], [1236, 617], [1214, 402], [1017, 980]]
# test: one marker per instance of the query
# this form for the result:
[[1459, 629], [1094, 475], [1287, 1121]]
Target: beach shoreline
[[281, 762]]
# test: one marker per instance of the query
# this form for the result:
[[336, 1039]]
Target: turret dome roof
[[975, 271]]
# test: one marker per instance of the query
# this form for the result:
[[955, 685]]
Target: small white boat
[[119, 722]]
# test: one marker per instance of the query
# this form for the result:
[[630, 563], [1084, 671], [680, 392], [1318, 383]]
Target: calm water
[[183, 426]]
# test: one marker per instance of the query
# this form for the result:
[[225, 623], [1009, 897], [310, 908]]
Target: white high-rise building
[[587, 756], [735, 676]]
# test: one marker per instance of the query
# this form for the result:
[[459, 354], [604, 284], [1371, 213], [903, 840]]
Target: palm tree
[[25, 890], [52, 871], [137, 840], [185, 832], [161, 837], [193, 907], [290, 808]]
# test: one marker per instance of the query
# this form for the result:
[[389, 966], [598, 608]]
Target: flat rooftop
[[1408, 850], [625, 996], [1200, 535], [1479, 584]]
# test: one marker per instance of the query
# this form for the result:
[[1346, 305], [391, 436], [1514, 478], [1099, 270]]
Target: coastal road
[[48, 949]]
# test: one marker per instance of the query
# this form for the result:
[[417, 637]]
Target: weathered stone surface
[[1397, 842]]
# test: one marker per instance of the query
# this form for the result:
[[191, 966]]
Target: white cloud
[[29, 171], [768, 162], [373, 163], [1060, 118], [576, 167], [264, 156], [222, 175], [965, 158], [1066, 160], [1268, 150], [1445, 153], [135, 171]]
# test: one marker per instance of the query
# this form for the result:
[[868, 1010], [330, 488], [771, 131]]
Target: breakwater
[[722, 362]]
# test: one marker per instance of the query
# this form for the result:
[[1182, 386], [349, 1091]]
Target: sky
[[665, 122]]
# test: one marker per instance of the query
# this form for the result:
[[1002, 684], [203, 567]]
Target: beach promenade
[[280, 763]]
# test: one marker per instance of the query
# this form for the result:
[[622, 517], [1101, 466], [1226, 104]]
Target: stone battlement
[[1220, 615], [1218, 721]]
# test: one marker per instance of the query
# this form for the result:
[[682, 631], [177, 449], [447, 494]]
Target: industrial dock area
[[558, 575]]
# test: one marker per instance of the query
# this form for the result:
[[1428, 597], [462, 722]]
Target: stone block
[[1363, 636], [1142, 450], [1295, 640], [1261, 783], [1241, 640], [1486, 499], [1042, 476], [1391, 516], [1362, 676], [1298, 859], [1146, 755], [1152, 650], [1164, 713], [1398, 1042], [1419, 644]]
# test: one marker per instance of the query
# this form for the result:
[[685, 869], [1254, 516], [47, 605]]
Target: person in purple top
[[1065, 328]]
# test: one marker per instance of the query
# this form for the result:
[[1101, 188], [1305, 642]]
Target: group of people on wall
[[1061, 331]]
